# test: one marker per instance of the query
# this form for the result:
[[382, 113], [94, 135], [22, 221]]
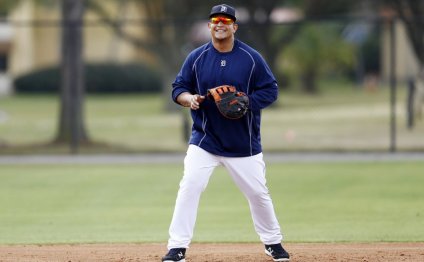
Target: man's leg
[[198, 167], [249, 175]]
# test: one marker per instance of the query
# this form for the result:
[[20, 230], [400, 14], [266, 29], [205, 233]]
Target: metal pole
[[410, 104], [393, 85]]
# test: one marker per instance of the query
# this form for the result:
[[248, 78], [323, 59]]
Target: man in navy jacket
[[216, 140]]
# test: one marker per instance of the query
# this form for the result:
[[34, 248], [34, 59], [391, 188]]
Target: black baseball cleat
[[277, 252], [175, 255]]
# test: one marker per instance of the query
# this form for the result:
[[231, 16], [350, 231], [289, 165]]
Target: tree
[[170, 22], [317, 49], [262, 34], [168, 25], [71, 128], [6, 6], [411, 12]]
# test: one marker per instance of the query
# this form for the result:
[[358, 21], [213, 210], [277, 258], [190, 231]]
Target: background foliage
[[340, 78], [99, 78]]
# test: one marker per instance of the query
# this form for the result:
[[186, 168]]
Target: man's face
[[222, 27]]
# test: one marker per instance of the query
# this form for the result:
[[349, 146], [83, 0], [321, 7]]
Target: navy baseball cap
[[223, 10]]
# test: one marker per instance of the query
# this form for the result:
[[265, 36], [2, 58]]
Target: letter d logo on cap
[[223, 8]]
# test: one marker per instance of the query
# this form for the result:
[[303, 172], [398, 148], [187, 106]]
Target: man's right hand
[[188, 100]]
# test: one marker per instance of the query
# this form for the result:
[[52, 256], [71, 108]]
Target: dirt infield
[[214, 252]]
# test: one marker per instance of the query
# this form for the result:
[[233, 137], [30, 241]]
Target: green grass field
[[315, 202], [338, 119]]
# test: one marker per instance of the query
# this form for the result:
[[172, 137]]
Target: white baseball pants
[[249, 175]]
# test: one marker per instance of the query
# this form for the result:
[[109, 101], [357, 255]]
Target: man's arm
[[263, 97], [264, 84]]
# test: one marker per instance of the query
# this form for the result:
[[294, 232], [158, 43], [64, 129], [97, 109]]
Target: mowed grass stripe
[[315, 202]]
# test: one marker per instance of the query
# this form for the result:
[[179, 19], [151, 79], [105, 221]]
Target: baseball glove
[[231, 103]]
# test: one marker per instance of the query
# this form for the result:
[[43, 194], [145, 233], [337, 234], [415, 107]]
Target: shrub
[[99, 78]]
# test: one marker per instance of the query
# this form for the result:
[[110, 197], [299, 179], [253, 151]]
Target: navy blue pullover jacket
[[242, 67]]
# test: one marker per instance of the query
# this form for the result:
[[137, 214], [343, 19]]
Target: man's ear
[[235, 27]]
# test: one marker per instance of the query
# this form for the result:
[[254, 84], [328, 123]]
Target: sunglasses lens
[[227, 21], [224, 20]]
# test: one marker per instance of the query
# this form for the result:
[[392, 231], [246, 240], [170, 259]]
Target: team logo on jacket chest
[[223, 62]]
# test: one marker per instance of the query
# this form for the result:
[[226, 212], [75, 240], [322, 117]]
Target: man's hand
[[188, 100]]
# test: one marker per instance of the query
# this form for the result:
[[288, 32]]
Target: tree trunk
[[410, 11], [71, 123]]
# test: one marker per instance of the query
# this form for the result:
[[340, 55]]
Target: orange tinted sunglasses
[[224, 20]]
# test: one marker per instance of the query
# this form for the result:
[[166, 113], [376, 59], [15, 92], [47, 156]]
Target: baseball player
[[226, 84]]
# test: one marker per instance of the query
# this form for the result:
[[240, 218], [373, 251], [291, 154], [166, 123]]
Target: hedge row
[[99, 78]]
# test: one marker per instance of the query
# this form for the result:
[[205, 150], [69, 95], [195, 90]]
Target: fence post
[[393, 85], [410, 104]]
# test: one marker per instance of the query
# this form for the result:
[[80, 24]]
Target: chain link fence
[[343, 84]]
